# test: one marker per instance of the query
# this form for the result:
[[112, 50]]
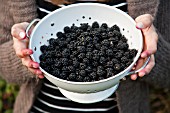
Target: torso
[[50, 100]]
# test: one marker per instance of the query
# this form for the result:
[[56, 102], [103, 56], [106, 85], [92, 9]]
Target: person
[[132, 94]]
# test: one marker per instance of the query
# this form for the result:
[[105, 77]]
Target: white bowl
[[85, 13]]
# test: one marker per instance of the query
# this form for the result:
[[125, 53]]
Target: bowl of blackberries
[[86, 48]]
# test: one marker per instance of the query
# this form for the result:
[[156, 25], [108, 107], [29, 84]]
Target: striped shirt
[[50, 100]]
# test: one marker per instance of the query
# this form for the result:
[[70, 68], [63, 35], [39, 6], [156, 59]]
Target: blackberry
[[124, 59], [43, 48], [122, 46], [50, 61], [95, 63], [67, 29], [93, 76], [110, 64], [48, 69], [115, 61], [95, 40], [89, 55], [62, 44], [60, 35], [58, 54], [82, 73], [43, 64], [66, 53], [89, 69], [74, 28], [76, 63], [65, 69], [102, 53], [115, 27], [117, 33], [110, 34], [133, 53], [81, 49], [42, 57], [58, 63], [63, 75], [123, 38], [109, 52], [71, 68], [104, 35], [101, 72], [72, 76], [104, 25], [79, 78], [51, 48], [95, 25], [86, 79], [86, 61], [64, 61], [84, 26], [82, 66], [96, 57], [89, 39], [56, 72], [81, 56], [105, 42], [68, 40], [101, 78], [102, 60], [52, 41], [113, 40], [117, 67]]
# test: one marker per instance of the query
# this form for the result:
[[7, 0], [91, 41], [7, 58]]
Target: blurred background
[[159, 98]]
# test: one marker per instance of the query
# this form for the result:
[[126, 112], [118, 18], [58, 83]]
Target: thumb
[[18, 30], [144, 22]]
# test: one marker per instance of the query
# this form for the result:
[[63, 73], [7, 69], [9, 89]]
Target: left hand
[[145, 24]]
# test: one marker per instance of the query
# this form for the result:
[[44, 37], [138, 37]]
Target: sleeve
[[160, 74], [14, 11]]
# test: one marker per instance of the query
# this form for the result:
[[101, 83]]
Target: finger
[[144, 22], [133, 76], [20, 48], [37, 72], [148, 68], [150, 40], [24, 53], [18, 30], [29, 63]]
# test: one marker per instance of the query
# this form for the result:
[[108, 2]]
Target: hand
[[21, 48], [145, 24]]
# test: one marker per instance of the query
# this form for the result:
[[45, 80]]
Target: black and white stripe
[[50, 100], [46, 7]]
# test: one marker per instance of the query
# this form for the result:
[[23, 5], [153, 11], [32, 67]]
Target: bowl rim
[[89, 4]]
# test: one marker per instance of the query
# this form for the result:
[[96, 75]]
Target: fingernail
[[29, 52], [41, 76], [141, 74], [139, 25], [22, 35], [39, 72], [35, 66]]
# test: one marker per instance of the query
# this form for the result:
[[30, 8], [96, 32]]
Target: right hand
[[21, 48]]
